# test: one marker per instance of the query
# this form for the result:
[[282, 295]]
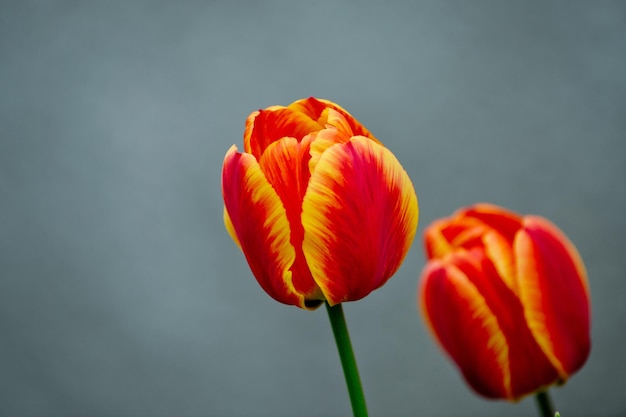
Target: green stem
[[544, 403], [340, 330]]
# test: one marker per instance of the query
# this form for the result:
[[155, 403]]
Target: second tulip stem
[[348, 362], [546, 409]]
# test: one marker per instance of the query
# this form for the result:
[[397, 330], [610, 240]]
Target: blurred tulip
[[507, 298], [320, 208]]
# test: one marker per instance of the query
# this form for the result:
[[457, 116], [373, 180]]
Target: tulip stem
[[348, 362], [546, 409]]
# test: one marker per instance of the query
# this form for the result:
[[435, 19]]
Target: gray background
[[121, 294]]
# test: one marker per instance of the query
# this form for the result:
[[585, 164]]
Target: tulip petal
[[256, 217], [285, 165], [337, 131], [445, 235], [357, 183], [479, 322], [506, 222], [435, 243], [466, 329], [230, 228], [264, 127], [500, 252], [490, 227], [315, 109], [554, 291]]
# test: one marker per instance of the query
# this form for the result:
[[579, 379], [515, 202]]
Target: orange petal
[[285, 165], [445, 235], [499, 250], [256, 218], [436, 244], [337, 131], [505, 222], [554, 291], [480, 322], [312, 107], [266, 126], [315, 109], [359, 217], [466, 328]]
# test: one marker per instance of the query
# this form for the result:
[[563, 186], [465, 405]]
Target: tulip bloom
[[320, 208], [506, 297]]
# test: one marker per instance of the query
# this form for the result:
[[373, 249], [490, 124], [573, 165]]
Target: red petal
[[315, 108], [553, 289], [481, 324], [435, 243], [299, 119], [359, 217], [505, 222], [337, 131], [500, 252], [256, 218], [465, 327], [446, 235], [267, 126], [285, 165], [312, 107]]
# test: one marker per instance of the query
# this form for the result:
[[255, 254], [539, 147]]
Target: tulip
[[320, 208], [506, 297]]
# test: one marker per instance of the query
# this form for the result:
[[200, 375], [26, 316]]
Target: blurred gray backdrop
[[121, 294]]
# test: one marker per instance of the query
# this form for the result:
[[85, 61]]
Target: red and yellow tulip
[[320, 208], [506, 296]]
